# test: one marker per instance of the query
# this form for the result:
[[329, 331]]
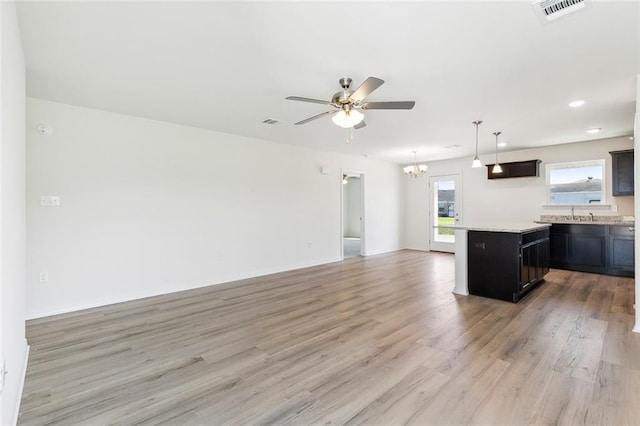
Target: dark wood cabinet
[[603, 249], [506, 265], [515, 169], [622, 172], [559, 251], [535, 262], [622, 250], [588, 246]]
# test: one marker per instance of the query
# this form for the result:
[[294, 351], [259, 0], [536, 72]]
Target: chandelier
[[416, 169]]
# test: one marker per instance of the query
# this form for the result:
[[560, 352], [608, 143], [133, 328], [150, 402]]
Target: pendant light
[[497, 169], [476, 161]]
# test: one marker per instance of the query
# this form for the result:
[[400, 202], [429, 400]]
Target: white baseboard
[[174, 289], [375, 252], [21, 388]]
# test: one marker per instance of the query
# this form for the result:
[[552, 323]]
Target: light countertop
[[581, 222], [587, 220], [515, 227]]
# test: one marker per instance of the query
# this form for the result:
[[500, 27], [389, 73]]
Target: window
[[579, 182]]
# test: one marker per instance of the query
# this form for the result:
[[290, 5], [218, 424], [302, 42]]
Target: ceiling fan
[[346, 103]]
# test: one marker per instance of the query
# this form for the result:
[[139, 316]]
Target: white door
[[445, 200]]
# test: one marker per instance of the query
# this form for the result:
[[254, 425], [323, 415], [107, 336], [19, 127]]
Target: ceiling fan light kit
[[347, 118], [346, 103]]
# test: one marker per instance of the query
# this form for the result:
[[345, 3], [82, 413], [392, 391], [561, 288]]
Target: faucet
[[573, 216], [590, 217]]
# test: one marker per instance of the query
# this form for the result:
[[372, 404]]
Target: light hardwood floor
[[374, 340]]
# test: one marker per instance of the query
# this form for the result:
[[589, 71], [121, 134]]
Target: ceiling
[[227, 66]]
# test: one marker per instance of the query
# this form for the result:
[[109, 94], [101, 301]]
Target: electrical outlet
[[44, 276], [50, 201]]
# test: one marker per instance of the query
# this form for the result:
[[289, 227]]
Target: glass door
[[446, 206]]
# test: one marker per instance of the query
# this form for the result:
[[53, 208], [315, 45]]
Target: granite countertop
[[515, 227], [588, 220], [580, 222]]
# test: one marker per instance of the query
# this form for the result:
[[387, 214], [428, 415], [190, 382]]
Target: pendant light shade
[[497, 168], [476, 161]]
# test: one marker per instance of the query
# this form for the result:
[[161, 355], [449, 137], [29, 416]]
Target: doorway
[[352, 187], [445, 195]]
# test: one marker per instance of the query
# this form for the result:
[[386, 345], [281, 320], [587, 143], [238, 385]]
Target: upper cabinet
[[622, 174], [515, 169]]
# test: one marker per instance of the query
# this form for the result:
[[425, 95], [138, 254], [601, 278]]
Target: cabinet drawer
[[624, 231], [581, 229], [535, 236]]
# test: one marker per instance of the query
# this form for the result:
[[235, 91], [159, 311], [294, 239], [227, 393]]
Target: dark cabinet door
[[559, 249], [543, 258], [588, 250], [622, 252], [622, 249], [535, 263], [528, 269], [493, 264], [622, 172]]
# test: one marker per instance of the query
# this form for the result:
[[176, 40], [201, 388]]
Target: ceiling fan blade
[[369, 85], [315, 117], [360, 125], [388, 105], [315, 101]]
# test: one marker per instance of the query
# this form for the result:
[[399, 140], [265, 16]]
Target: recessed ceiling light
[[594, 130], [502, 144], [578, 103]]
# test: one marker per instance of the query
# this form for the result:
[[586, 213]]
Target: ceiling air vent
[[548, 10], [270, 121]]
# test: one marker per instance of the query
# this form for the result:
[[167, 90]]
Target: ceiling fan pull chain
[[350, 135]]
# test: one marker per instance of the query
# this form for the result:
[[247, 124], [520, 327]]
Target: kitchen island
[[502, 261]]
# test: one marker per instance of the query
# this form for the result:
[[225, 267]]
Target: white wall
[[508, 200], [149, 207], [352, 207], [416, 213], [12, 211]]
